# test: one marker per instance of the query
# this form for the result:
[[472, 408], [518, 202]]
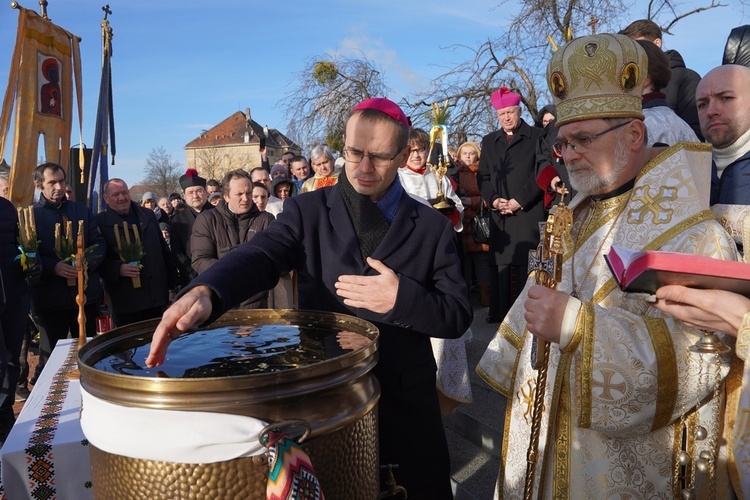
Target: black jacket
[[681, 91], [10, 266], [159, 272], [181, 226], [314, 235], [737, 49], [218, 232], [52, 292], [508, 171]]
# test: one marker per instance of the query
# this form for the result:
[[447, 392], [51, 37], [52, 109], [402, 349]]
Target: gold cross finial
[[592, 23]]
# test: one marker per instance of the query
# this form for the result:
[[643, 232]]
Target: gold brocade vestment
[[616, 391]]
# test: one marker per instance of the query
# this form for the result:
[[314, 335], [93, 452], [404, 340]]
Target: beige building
[[234, 143]]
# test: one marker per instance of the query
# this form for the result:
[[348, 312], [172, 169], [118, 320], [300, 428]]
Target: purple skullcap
[[386, 106], [503, 98]]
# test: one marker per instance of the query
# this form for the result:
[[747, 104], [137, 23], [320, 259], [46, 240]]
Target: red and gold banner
[[45, 64]]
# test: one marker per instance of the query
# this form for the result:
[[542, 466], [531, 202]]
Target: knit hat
[[597, 76], [191, 178], [504, 98], [175, 196], [148, 195], [164, 226], [279, 167], [386, 106], [213, 196]]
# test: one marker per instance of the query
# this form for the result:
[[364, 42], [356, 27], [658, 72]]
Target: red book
[[645, 272]]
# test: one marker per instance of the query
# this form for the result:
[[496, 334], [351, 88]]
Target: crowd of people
[[628, 408]]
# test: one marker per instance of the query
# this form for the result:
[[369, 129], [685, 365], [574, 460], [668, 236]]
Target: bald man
[[723, 100]]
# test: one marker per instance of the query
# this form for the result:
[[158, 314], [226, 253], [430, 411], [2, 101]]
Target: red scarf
[[420, 171], [325, 182]]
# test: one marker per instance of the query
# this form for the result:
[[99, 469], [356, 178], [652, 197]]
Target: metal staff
[[546, 260]]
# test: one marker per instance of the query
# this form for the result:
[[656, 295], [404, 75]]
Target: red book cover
[[645, 272]]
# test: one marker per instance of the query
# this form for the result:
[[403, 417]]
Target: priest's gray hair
[[320, 150]]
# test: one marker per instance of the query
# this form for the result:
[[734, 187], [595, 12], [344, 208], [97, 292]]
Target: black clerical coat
[[432, 301]]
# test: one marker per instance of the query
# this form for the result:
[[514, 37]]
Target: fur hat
[[597, 76], [191, 178]]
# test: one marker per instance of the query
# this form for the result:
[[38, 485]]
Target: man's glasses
[[378, 160], [580, 144], [418, 151]]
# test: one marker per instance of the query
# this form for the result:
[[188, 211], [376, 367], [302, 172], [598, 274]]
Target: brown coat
[[468, 188]]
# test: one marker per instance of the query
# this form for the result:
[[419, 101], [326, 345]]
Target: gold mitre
[[597, 76]]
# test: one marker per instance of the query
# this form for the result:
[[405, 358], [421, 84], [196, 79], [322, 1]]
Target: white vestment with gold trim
[[616, 393]]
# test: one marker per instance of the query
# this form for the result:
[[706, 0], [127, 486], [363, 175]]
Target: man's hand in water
[[191, 309]]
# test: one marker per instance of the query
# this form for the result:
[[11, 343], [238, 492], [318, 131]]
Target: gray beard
[[589, 183]]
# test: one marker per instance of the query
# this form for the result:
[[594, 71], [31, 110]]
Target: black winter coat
[[508, 171], [181, 226], [10, 267], [681, 91], [159, 272], [314, 235], [52, 292], [218, 232]]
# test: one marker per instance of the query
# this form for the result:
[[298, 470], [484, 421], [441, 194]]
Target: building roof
[[240, 128]]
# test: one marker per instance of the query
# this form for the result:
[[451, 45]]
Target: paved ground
[[475, 431], [33, 361]]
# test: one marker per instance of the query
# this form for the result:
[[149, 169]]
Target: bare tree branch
[[518, 59], [162, 172], [328, 88]]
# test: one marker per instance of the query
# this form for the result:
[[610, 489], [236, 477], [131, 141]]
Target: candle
[[31, 217], [117, 237], [127, 232], [58, 237]]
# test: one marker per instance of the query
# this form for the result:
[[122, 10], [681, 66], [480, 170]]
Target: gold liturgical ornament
[[546, 262], [439, 119]]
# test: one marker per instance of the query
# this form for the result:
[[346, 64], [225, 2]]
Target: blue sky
[[183, 66]]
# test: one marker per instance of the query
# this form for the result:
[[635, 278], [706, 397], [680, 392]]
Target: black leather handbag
[[480, 225]]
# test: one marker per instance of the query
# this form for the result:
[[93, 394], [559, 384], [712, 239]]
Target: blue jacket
[[52, 292], [734, 186]]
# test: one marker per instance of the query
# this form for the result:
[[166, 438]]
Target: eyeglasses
[[419, 151], [377, 160], [583, 142]]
